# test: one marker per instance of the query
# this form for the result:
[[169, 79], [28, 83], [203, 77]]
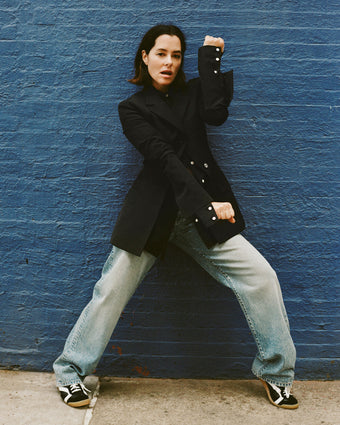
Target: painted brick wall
[[65, 167]]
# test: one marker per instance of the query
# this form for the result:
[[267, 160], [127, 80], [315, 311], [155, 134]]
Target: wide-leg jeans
[[234, 263]]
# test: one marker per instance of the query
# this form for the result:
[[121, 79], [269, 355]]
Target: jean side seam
[[80, 327]]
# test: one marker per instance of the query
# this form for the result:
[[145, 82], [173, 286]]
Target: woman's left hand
[[213, 41]]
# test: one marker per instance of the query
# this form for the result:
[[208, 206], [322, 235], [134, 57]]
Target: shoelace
[[286, 392], [78, 387]]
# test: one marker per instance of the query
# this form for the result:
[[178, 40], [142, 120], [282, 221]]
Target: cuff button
[[217, 59], [196, 220]]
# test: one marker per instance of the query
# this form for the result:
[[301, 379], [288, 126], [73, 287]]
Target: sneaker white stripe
[[66, 390], [278, 401], [277, 389]]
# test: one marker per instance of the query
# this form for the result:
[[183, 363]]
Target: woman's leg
[[239, 266], [86, 343]]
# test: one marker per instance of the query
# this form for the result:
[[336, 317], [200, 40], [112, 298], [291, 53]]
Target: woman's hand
[[224, 211], [212, 41]]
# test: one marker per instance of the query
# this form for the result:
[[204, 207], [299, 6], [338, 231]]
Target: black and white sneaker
[[280, 396], [75, 395]]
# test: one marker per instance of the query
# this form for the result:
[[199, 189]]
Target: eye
[[160, 54], [177, 56]]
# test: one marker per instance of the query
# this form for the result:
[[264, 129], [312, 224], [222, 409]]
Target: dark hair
[[142, 77]]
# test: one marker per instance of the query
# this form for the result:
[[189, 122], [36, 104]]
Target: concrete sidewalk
[[29, 398]]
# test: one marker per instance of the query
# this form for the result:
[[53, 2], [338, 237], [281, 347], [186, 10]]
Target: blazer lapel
[[161, 108]]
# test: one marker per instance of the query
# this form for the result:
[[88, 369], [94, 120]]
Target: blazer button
[[214, 218], [192, 163], [203, 181], [217, 59], [215, 72], [209, 208], [217, 49], [205, 165], [196, 220]]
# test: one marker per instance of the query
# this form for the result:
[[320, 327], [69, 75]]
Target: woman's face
[[163, 61]]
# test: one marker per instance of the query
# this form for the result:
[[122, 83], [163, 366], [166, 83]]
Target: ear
[[145, 57]]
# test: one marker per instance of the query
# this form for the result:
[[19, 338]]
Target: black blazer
[[179, 171]]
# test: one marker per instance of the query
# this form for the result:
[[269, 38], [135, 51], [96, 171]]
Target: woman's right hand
[[224, 211]]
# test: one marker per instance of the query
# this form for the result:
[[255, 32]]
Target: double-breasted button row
[[205, 165]]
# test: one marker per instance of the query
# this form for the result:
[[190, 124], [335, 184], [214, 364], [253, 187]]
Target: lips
[[166, 73]]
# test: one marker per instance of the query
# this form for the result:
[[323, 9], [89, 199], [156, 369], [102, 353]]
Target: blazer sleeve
[[190, 196], [217, 87]]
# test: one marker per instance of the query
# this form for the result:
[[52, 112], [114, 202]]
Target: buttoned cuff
[[210, 55], [206, 216]]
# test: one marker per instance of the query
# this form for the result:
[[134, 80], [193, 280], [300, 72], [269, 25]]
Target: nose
[[168, 60]]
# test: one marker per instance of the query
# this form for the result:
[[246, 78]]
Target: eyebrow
[[165, 50]]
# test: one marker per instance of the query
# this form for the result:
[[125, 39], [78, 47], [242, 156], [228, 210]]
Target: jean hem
[[288, 383], [72, 382]]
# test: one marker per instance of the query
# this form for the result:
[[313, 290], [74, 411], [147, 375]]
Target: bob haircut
[[142, 77]]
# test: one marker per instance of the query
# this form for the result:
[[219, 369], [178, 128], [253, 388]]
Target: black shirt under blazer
[[179, 171]]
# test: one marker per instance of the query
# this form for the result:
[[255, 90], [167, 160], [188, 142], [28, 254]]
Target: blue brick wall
[[65, 168]]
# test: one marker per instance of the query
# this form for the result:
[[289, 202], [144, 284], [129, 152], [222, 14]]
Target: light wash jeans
[[234, 263]]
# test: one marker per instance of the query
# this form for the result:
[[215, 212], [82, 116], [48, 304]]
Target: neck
[[162, 89]]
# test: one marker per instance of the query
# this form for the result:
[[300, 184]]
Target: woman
[[180, 195]]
